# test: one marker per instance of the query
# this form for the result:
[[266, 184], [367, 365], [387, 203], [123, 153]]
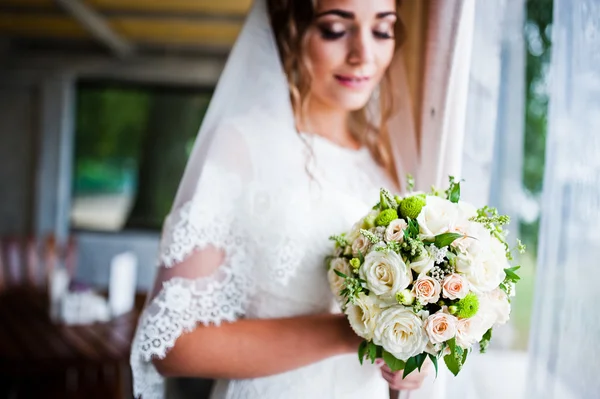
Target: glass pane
[[131, 147]]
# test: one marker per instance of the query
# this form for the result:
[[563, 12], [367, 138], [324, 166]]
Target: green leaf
[[434, 360], [454, 359], [443, 240], [511, 275], [339, 273], [420, 360], [485, 341], [464, 357], [453, 191], [361, 257], [411, 365], [393, 363], [372, 352], [362, 349]]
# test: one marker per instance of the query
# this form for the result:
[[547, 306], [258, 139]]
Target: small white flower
[[438, 254]]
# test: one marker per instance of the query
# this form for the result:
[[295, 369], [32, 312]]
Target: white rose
[[423, 264], [495, 306], [336, 283], [360, 245], [400, 332], [437, 217], [363, 315], [455, 287], [395, 230], [488, 271], [440, 327], [470, 331], [385, 273], [427, 290]]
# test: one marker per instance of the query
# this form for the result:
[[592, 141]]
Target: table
[[42, 359]]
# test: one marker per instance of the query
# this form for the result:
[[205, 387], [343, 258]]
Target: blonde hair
[[290, 20]]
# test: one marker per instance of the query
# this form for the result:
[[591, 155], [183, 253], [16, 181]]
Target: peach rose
[[427, 289], [440, 327], [455, 287]]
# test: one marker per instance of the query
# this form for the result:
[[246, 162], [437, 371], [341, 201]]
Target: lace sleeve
[[205, 264]]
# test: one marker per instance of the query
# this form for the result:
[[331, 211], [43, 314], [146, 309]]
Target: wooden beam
[[96, 25], [239, 7], [140, 30]]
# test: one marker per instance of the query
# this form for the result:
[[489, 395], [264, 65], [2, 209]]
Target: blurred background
[[100, 103]]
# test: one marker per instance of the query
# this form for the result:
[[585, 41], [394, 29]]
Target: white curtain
[[565, 337], [492, 168]]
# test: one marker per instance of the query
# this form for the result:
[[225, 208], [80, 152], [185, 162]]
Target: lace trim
[[183, 303]]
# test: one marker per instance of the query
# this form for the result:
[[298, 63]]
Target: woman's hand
[[412, 381]]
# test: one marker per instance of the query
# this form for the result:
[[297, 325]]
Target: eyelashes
[[331, 35]]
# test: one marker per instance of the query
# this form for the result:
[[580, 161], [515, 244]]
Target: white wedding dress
[[267, 198], [273, 220]]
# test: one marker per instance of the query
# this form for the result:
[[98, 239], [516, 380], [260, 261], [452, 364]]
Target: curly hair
[[290, 20]]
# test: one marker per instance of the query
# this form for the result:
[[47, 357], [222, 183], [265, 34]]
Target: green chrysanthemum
[[467, 307], [411, 207], [385, 217]]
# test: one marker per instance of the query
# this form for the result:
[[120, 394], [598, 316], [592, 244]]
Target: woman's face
[[349, 47]]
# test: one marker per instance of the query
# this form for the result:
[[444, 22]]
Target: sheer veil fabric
[[242, 205]]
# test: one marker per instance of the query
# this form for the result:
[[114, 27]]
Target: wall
[[18, 136]]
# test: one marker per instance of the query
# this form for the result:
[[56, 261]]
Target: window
[[132, 143]]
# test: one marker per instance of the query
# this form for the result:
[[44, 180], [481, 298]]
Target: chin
[[352, 102]]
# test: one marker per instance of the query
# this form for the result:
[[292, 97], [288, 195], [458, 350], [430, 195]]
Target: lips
[[353, 81]]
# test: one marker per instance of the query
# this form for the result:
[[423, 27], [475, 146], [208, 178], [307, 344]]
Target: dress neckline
[[329, 143]]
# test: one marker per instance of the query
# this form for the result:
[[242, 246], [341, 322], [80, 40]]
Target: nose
[[361, 49]]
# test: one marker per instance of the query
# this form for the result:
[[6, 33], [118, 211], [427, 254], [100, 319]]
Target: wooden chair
[[28, 262]]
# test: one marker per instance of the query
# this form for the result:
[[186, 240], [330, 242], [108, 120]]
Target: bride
[[294, 148]]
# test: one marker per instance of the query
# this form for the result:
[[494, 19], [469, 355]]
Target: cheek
[[384, 57], [324, 57]]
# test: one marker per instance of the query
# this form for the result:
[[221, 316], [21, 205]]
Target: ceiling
[[122, 27]]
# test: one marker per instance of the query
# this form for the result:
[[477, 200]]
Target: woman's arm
[[258, 348]]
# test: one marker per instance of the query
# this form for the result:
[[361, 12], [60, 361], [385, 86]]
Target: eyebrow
[[350, 15]]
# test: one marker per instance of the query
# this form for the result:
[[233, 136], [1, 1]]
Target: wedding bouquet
[[424, 275]]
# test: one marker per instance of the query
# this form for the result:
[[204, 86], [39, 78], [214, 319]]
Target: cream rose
[[437, 217], [400, 332], [455, 287], [440, 327], [470, 331], [360, 245], [395, 230], [427, 290], [385, 273], [423, 264], [495, 306], [336, 283], [362, 315], [488, 273]]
